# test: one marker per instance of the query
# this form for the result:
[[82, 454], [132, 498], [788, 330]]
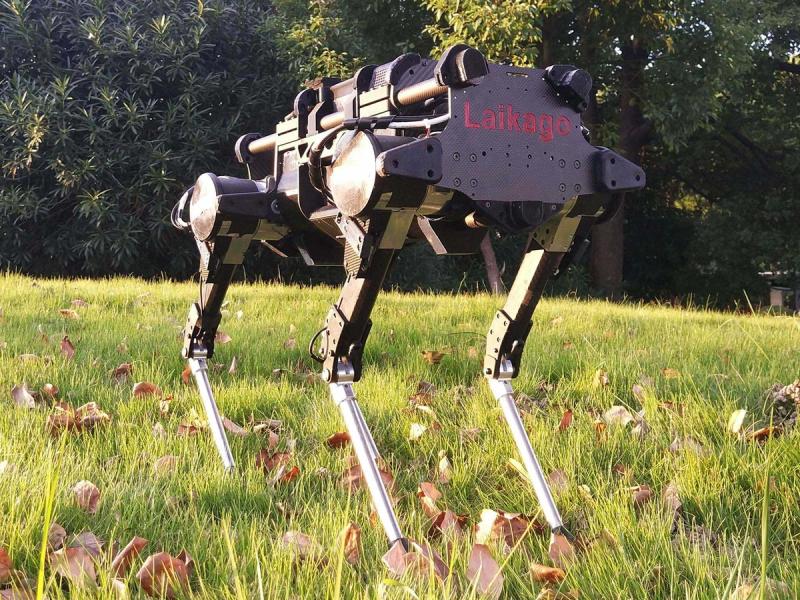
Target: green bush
[[109, 109]]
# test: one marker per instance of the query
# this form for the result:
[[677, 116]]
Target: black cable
[[317, 357]]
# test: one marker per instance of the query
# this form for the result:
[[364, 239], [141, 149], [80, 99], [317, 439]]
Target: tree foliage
[[108, 111]]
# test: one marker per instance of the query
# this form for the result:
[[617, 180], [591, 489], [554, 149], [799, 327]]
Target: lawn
[[687, 370]]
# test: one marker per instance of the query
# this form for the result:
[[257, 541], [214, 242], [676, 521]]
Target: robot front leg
[[343, 338], [548, 250]]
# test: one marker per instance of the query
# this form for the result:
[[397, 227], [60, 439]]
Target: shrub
[[109, 109]]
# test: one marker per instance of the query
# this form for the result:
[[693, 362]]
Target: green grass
[[233, 525]]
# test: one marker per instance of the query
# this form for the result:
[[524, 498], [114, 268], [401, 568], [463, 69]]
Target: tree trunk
[[606, 260], [492, 270]]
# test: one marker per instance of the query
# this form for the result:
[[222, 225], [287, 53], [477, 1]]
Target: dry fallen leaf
[[566, 420], [670, 373], [561, 551], [351, 540], [433, 357], [268, 462], [639, 392], [447, 522], [68, 313], [145, 388], [484, 573], [418, 561], [50, 390], [22, 396], [736, 420], [121, 373], [87, 495], [55, 536], [353, 478], [76, 565], [79, 303], [545, 574], [763, 434], [222, 337], [163, 575], [340, 439], [641, 495], [558, 480], [618, 415], [165, 464], [124, 559], [302, 546], [67, 347], [508, 527], [600, 378], [89, 542], [6, 566], [688, 443], [428, 496], [444, 469], [186, 375], [233, 428]]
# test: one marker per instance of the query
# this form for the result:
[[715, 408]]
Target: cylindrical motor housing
[[231, 206]]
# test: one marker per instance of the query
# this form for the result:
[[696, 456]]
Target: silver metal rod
[[199, 369], [504, 394], [344, 397]]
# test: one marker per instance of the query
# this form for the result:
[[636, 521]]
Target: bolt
[[473, 157], [473, 183], [456, 182], [562, 163], [563, 187], [577, 187], [456, 156], [577, 164]]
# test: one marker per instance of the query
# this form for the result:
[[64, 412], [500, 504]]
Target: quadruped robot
[[414, 150]]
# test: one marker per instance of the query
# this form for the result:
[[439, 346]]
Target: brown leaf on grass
[[690, 444], [417, 561], [428, 495], [23, 397], [186, 375], [447, 522], [600, 379], [67, 347], [290, 344], [285, 474], [545, 574], [87, 495], [433, 357], [351, 540], [119, 589], [301, 546], [566, 420], [124, 559], [68, 313], [639, 392], [508, 527], [558, 480], [484, 573], [187, 559], [76, 565], [555, 321], [670, 373], [56, 536], [121, 373], [763, 434], [618, 415], [268, 462], [353, 478], [145, 388], [561, 551], [89, 416], [89, 542], [163, 575], [192, 424], [222, 338], [672, 501], [165, 464], [444, 469], [158, 431], [50, 390], [641, 495], [340, 439], [234, 366], [234, 428], [79, 303], [6, 566]]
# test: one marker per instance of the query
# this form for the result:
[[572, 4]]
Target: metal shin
[[504, 394], [345, 398], [199, 369]]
